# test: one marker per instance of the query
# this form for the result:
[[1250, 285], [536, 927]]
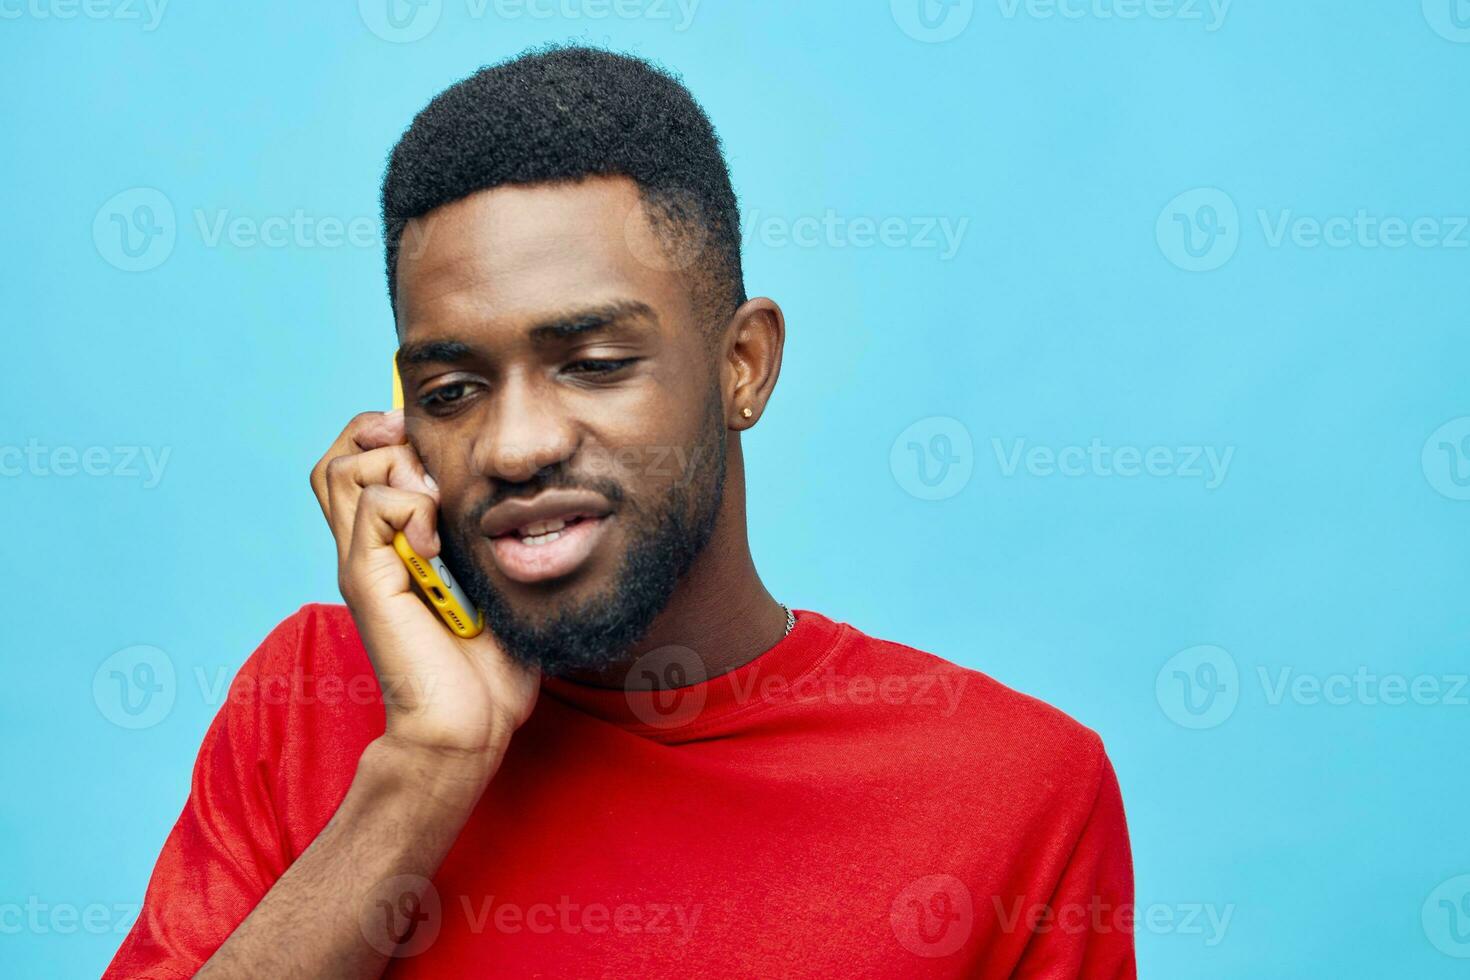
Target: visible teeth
[[541, 538], [542, 527]]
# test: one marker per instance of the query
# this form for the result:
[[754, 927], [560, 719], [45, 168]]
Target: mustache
[[552, 478]]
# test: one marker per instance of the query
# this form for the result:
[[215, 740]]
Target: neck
[[721, 610]]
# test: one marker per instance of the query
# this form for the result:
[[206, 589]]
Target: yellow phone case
[[442, 591], [431, 574]]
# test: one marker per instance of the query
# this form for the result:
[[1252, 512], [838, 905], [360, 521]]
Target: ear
[[754, 340]]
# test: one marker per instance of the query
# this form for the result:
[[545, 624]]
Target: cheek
[[426, 444], [449, 466], [444, 450], [651, 459]]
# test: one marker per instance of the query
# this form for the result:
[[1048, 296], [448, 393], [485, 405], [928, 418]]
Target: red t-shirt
[[840, 806]]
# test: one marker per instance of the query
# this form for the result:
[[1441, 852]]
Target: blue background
[[1065, 316]]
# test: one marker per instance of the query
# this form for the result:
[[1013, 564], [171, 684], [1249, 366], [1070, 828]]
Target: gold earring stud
[[746, 413]]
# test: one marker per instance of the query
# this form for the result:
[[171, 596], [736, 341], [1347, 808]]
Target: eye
[[443, 398], [599, 366]]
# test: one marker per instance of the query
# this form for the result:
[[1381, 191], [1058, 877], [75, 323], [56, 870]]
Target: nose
[[525, 431]]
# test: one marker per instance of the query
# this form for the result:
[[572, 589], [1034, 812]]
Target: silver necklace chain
[[790, 618]]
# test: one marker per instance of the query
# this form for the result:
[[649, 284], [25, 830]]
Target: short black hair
[[565, 113]]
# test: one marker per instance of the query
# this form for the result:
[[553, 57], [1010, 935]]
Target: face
[[560, 392]]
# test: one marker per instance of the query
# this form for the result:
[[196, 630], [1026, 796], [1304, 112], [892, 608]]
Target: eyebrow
[[579, 322], [559, 327]]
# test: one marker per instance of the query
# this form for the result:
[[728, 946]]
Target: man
[[646, 765]]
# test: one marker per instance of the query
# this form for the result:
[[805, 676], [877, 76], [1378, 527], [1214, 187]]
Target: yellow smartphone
[[431, 575]]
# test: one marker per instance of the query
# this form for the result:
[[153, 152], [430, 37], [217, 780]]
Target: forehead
[[511, 254]]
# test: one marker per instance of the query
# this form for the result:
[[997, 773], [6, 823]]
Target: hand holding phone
[[453, 692], [440, 590], [431, 575]]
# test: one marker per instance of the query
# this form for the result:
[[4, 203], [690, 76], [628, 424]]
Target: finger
[[396, 466], [370, 558], [383, 511], [366, 431], [379, 429]]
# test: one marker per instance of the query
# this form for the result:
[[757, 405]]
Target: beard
[[664, 536]]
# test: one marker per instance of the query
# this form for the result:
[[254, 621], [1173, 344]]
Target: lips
[[548, 536], [538, 558]]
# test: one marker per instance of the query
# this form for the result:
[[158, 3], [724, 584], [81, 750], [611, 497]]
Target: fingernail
[[394, 415], [431, 483]]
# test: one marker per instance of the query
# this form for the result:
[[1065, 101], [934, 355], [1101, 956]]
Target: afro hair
[[565, 113]]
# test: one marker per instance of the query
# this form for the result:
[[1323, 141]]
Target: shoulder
[[310, 673], [319, 637], [300, 711], [963, 721]]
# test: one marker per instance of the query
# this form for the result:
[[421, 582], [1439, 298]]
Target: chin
[[542, 602]]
